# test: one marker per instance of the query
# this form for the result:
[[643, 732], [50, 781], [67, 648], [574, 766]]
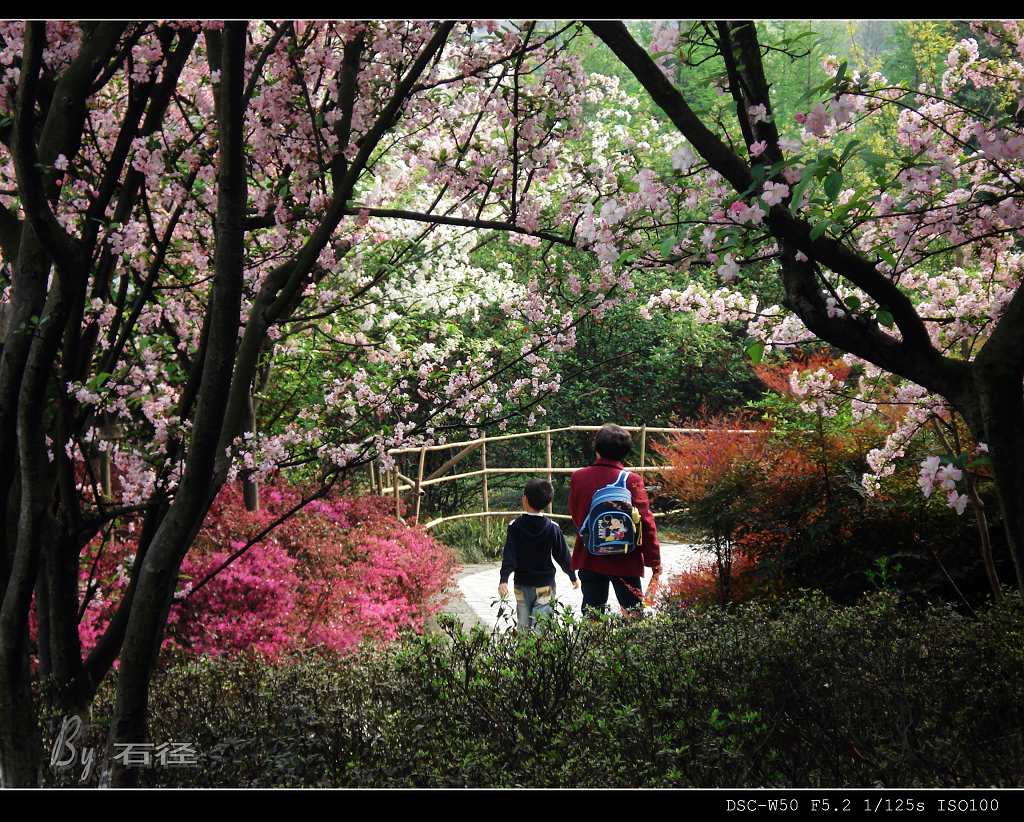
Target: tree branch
[[497, 225], [282, 287], [34, 200], [10, 234], [914, 357]]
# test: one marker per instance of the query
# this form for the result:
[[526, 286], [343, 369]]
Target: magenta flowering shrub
[[103, 576], [251, 604], [342, 570], [392, 584]]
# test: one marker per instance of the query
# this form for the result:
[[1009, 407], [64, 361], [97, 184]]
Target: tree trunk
[[159, 572], [19, 730], [27, 297], [1007, 463], [145, 632], [984, 542], [251, 492], [250, 485], [19, 736], [996, 418], [19, 740], [60, 569]]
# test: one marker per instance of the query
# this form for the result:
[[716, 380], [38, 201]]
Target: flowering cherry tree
[[191, 215], [908, 260]]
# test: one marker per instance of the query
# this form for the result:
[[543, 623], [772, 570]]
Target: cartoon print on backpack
[[611, 524], [610, 527]]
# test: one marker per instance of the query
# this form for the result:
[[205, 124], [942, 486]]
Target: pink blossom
[[792, 174], [774, 193], [729, 271], [957, 501], [612, 212], [743, 213], [817, 120], [758, 114], [682, 158]]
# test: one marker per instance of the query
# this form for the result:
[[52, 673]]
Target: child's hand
[[576, 583], [503, 590]]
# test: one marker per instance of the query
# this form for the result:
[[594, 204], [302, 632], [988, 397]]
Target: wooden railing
[[400, 483]]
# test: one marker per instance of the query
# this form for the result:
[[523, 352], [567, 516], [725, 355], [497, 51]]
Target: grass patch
[[470, 540]]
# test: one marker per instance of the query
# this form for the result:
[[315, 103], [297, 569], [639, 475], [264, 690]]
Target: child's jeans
[[531, 602]]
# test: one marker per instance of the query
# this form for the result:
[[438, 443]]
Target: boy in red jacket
[[612, 443]]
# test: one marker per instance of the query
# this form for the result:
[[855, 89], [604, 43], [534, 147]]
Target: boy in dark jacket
[[532, 540]]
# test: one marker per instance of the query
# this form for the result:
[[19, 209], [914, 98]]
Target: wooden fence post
[[419, 480], [398, 499], [547, 444], [487, 499], [643, 444], [373, 478]]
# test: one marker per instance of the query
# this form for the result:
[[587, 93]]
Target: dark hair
[[612, 442], [538, 493]]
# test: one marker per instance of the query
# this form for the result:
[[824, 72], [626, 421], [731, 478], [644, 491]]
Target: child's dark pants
[[595, 591]]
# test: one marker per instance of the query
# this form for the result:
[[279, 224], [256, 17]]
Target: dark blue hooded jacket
[[531, 542]]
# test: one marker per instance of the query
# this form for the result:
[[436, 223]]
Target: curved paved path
[[478, 585]]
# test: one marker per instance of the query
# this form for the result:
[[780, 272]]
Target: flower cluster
[[944, 477]]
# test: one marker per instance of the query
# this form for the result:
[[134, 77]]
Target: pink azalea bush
[[252, 604], [342, 570]]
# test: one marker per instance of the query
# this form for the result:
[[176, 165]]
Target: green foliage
[[802, 692], [472, 541], [882, 576], [656, 371], [915, 51]]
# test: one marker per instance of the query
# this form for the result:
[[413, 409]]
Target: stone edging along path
[[475, 599]]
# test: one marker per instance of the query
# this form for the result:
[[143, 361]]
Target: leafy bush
[[774, 693], [784, 508], [700, 583]]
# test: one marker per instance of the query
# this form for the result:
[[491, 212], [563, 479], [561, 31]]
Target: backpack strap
[[620, 481]]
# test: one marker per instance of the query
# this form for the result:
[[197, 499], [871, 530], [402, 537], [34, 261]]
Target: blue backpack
[[609, 528]]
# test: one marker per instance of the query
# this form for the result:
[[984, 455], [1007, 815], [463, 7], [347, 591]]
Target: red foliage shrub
[[702, 462], [252, 604], [699, 585], [749, 493], [784, 508]]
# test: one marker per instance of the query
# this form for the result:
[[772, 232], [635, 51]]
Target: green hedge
[[801, 693]]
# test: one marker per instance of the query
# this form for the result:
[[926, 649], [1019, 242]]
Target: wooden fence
[[400, 483]]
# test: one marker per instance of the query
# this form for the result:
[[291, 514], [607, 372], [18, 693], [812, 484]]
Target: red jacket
[[584, 482]]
